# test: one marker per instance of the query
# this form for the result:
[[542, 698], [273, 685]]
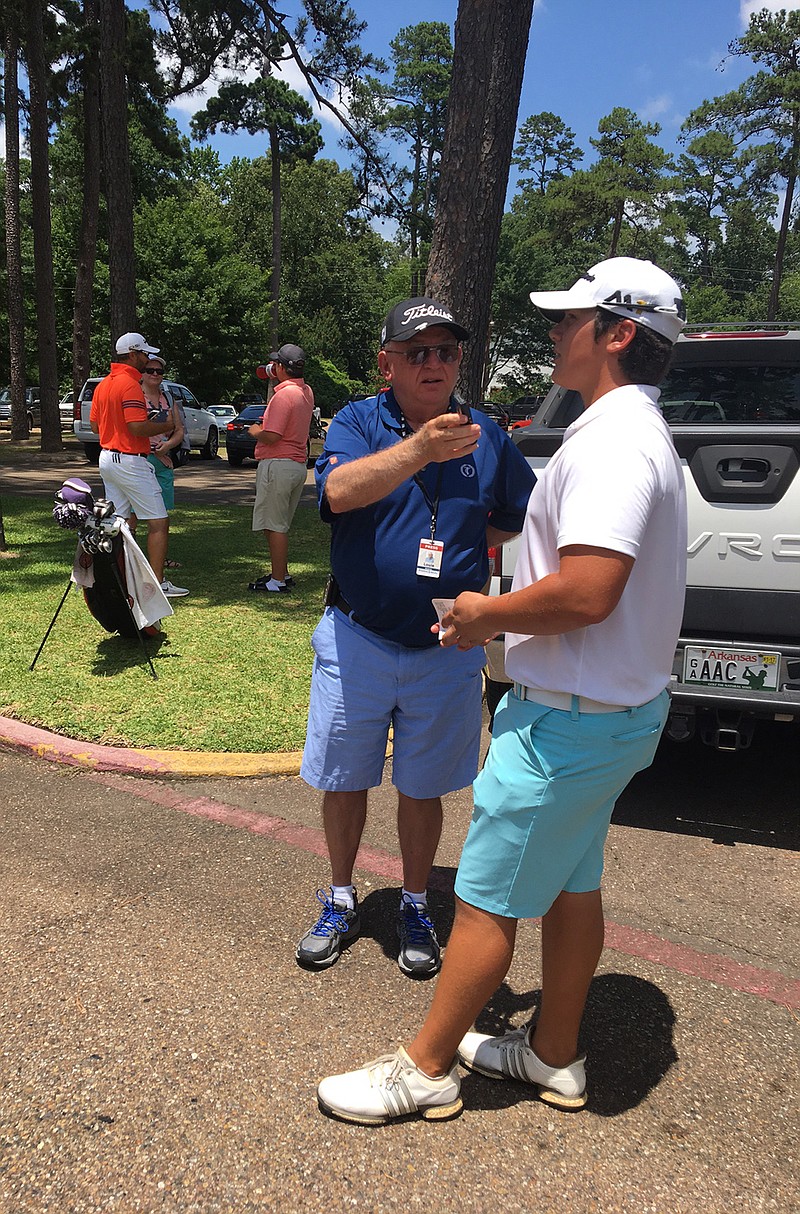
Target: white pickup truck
[[732, 400]]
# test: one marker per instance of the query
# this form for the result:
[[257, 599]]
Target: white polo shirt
[[616, 482]]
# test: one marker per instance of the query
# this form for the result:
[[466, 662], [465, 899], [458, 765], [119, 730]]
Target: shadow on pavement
[[627, 1035], [747, 797]]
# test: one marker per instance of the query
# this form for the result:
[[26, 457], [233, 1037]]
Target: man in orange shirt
[[119, 417], [281, 451]]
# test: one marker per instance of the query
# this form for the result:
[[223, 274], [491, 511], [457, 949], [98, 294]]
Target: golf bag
[[118, 584]]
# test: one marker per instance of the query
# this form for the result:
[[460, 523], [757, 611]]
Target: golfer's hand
[[467, 625], [446, 437]]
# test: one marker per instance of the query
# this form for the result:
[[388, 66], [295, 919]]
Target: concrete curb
[[58, 749]]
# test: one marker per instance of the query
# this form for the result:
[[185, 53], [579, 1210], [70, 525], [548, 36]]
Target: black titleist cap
[[414, 315], [289, 355]]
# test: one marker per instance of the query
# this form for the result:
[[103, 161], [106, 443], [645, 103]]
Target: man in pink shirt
[[281, 450]]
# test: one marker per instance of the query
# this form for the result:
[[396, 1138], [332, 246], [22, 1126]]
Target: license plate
[[742, 669]]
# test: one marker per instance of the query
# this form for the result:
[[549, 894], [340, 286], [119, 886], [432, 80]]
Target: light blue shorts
[[361, 684], [544, 799]]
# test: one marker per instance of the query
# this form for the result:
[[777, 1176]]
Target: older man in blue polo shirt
[[415, 492]]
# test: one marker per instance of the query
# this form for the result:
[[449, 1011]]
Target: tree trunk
[[42, 230], [413, 219], [117, 166], [87, 237], [491, 40], [786, 216], [275, 158], [618, 215], [16, 318]]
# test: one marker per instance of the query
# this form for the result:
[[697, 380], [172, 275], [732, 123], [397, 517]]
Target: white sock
[[420, 900], [343, 895]]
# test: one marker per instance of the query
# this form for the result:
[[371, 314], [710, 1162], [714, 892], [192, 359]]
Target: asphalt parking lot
[[161, 1047]]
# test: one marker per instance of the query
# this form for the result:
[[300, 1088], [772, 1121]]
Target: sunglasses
[[418, 356], [152, 371]]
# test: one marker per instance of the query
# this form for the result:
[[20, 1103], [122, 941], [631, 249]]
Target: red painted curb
[[708, 967]]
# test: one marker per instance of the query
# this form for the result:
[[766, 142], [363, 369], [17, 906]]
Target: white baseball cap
[[636, 289], [134, 341]]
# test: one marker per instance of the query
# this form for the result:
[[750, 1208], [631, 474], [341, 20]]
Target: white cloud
[[662, 110], [748, 7], [655, 107]]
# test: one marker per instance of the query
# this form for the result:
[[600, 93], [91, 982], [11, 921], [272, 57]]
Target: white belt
[[564, 700]]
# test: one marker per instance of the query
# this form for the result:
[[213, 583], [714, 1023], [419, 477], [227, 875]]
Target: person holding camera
[[281, 451]]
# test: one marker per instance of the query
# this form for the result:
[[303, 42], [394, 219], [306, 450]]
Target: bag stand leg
[[52, 622], [130, 613], [133, 621]]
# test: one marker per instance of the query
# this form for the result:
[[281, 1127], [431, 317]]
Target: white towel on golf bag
[[150, 604]]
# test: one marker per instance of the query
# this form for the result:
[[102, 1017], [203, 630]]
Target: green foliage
[[709, 305], [204, 230], [333, 293], [332, 387], [267, 104], [545, 151], [762, 118], [201, 300], [404, 114]]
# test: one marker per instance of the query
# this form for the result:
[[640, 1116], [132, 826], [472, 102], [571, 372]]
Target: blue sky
[[659, 58]]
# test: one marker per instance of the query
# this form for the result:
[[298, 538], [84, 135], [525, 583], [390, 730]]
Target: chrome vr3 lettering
[[787, 547]]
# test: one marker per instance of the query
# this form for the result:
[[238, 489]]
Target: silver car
[[223, 414]]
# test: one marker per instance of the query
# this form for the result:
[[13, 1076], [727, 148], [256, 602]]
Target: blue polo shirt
[[374, 550]]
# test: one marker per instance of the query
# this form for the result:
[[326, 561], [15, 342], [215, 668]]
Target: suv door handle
[[744, 470]]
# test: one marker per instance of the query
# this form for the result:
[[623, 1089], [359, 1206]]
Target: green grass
[[233, 672]]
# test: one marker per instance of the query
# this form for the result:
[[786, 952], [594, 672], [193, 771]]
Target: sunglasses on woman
[[153, 371]]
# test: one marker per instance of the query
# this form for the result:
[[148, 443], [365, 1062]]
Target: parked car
[[202, 426], [523, 408], [223, 414], [31, 407], [495, 411], [66, 409], [732, 400], [240, 445]]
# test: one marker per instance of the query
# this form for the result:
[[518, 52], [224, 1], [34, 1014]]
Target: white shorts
[[130, 483]]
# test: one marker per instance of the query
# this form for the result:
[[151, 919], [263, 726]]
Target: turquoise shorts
[[361, 684], [166, 481], [544, 799]]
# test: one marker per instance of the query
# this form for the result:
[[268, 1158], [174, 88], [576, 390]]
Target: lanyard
[[431, 503]]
